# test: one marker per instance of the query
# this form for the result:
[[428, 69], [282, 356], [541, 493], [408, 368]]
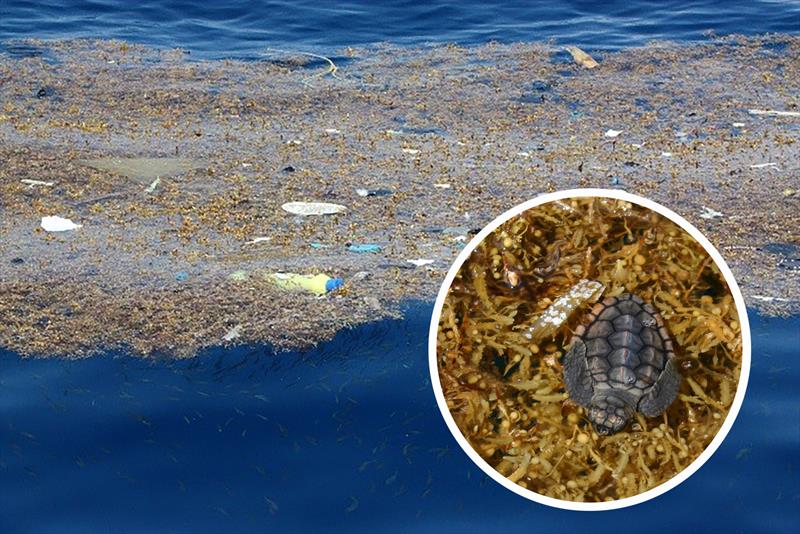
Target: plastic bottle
[[319, 284]]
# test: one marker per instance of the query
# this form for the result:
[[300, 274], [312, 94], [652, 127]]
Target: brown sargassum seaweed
[[501, 370]]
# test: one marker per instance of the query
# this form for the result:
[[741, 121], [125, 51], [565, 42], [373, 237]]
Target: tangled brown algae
[[456, 134], [506, 391]]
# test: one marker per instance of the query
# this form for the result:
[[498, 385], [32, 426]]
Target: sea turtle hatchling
[[621, 361]]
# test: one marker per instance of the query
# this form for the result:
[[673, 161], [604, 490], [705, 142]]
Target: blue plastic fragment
[[319, 245], [364, 248], [333, 283], [181, 276]]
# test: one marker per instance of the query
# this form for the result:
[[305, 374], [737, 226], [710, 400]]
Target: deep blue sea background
[[347, 437], [242, 28]]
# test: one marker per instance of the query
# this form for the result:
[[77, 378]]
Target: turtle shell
[[622, 350]]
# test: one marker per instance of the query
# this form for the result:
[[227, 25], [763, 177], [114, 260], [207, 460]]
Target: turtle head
[[609, 415]]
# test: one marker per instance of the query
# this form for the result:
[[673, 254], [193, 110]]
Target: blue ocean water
[[243, 28], [345, 437]]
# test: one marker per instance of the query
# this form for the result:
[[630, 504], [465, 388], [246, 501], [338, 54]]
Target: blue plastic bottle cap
[[333, 283]]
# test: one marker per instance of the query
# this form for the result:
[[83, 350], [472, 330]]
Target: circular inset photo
[[589, 349]]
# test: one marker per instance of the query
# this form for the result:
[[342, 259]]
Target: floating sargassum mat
[[560, 311]]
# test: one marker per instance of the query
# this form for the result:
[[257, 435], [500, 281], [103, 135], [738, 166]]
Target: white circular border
[[740, 390]]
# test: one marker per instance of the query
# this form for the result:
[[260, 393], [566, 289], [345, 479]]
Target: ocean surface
[[345, 437], [243, 29]]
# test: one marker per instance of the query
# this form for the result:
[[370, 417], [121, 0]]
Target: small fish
[[364, 465], [353, 505], [271, 506]]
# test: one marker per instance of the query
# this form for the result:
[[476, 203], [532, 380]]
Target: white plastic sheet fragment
[[709, 213], [313, 208], [582, 58], [774, 113], [612, 133], [564, 306], [421, 262], [58, 224]]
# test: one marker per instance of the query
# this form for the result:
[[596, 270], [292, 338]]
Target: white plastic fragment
[[153, 185], [313, 208], [421, 262], [764, 298], [394, 132], [442, 186], [738, 125], [582, 58], [666, 154], [257, 240], [774, 113], [763, 165], [58, 224], [332, 131], [411, 151], [362, 192], [612, 133], [708, 213], [31, 183], [233, 333], [564, 306]]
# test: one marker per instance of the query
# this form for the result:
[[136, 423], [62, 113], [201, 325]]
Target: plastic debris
[[738, 125], [442, 186], [365, 248], [773, 113], [258, 240], [233, 333], [181, 276], [765, 298], [312, 208], [319, 245], [708, 213], [319, 284], [411, 151], [612, 133], [58, 224], [332, 131], [421, 262], [564, 306], [153, 185], [31, 183], [666, 154], [582, 58], [763, 165], [373, 192], [239, 276]]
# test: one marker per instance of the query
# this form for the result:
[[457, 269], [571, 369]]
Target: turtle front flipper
[[576, 374], [662, 393]]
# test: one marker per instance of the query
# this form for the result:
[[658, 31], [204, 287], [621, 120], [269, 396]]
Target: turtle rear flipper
[[662, 393], [576, 374]]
